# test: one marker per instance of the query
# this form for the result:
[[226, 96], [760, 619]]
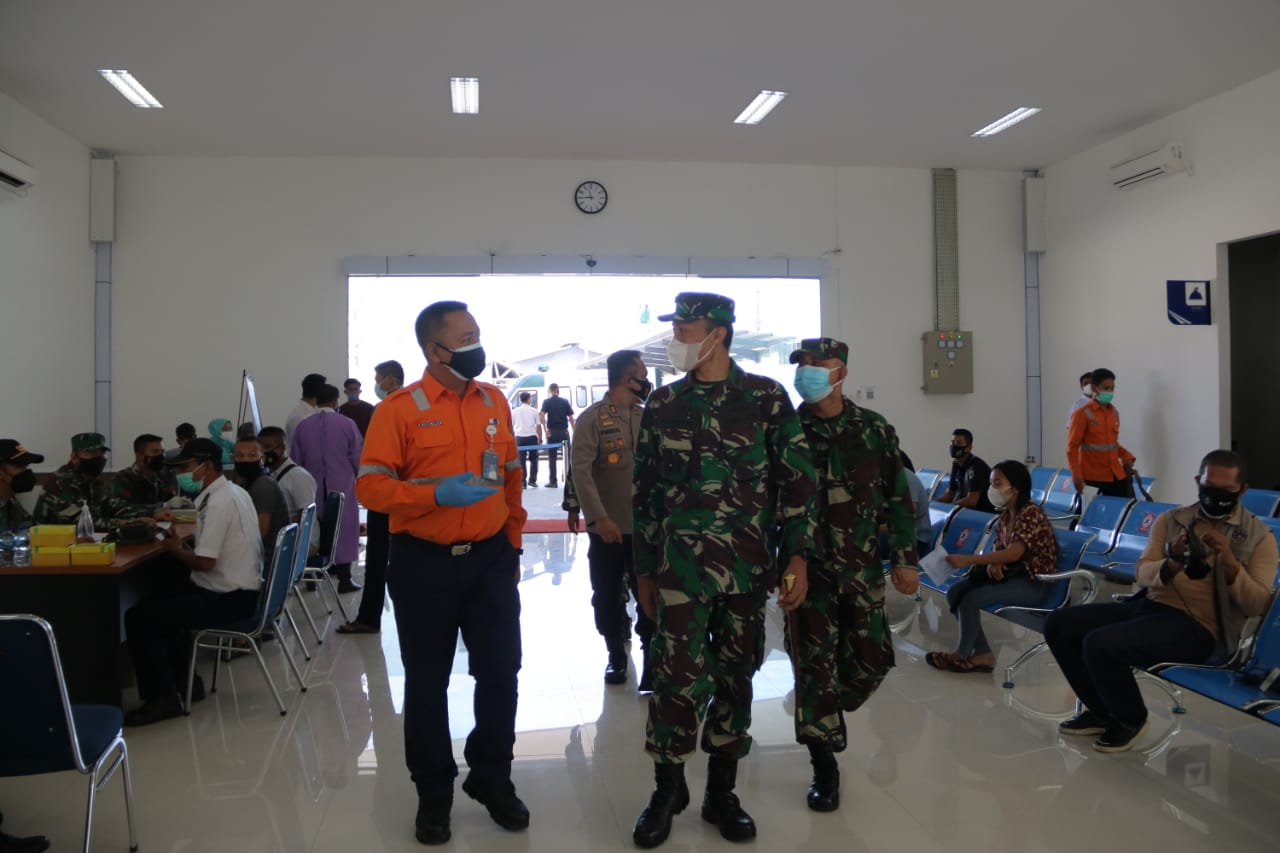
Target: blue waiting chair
[[1103, 518], [275, 593], [940, 489], [42, 732], [305, 525], [1062, 501], [1240, 688], [929, 478], [318, 567], [1261, 502], [1121, 562], [1071, 547], [1041, 483], [966, 533]]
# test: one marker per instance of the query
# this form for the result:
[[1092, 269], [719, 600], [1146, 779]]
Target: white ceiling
[[872, 82]]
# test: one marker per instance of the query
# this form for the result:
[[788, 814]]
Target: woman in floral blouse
[[1024, 546]]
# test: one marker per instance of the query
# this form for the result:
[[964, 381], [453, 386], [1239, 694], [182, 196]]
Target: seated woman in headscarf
[[1024, 546]]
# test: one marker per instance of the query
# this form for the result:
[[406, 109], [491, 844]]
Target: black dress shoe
[[29, 844], [431, 826], [504, 806], [347, 585], [616, 671], [155, 711]]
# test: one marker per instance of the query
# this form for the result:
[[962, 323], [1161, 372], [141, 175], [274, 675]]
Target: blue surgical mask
[[813, 383], [380, 391]]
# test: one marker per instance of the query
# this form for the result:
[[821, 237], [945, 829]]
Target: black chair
[[42, 732]]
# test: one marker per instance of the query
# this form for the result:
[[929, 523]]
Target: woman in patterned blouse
[[1024, 546]]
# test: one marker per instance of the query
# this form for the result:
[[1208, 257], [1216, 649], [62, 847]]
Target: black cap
[[199, 449], [13, 453]]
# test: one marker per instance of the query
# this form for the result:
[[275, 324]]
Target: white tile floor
[[935, 762]]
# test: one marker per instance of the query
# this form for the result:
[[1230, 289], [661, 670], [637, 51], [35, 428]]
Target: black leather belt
[[453, 549]]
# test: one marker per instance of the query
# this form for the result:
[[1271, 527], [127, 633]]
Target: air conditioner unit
[[15, 175], [1166, 160]]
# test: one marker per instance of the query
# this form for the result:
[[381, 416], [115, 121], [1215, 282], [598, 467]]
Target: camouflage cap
[[696, 306], [88, 441], [822, 348]]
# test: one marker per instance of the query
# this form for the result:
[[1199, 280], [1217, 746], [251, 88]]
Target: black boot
[[824, 791], [646, 672], [720, 805], [616, 671], [670, 797]]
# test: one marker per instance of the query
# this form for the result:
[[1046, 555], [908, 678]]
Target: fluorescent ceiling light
[[1003, 124], [760, 107], [131, 89], [466, 94]]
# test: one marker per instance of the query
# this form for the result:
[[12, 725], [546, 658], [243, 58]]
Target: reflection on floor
[[936, 761]]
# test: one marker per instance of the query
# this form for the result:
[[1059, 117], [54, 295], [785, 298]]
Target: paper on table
[[935, 565]]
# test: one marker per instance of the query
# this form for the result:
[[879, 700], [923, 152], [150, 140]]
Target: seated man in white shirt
[[296, 482], [220, 585]]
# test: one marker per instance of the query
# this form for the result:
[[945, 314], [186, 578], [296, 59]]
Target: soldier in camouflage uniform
[[16, 477], [839, 638], [723, 483], [78, 482], [141, 490]]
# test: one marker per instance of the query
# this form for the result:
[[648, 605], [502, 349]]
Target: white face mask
[[998, 498], [1086, 390], [228, 435], [684, 357]]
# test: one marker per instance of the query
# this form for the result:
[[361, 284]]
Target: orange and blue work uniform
[[1094, 451], [450, 569]]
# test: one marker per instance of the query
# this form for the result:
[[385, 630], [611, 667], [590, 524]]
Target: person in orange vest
[[1094, 451], [440, 459]]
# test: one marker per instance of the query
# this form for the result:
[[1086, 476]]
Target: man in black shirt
[[557, 419], [970, 476]]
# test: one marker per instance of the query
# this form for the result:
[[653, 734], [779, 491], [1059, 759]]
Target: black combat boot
[[670, 797], [824, 791], [616, 671], [720, 805], [646, 672]]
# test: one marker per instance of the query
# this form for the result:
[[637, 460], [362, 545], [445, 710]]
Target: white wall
[[1110, 253], [222, 264], [46, 290]]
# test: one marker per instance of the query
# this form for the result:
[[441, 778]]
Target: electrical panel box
[[948, 362]]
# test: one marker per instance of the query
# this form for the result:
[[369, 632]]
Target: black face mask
[[957, 451], [23, 481], [467, 363], [156, 463], [92, 467], [1217, 503], [645, 389], [249, 470], [271, 458]]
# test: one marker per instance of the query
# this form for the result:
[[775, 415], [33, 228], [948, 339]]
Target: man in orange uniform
[[1094, 451], [440, 460]]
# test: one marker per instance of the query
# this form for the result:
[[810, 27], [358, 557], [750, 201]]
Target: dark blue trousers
[[436, 596], [1097, 645]]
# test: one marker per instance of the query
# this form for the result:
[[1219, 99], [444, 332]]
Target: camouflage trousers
[[842, 649], [704, 653]]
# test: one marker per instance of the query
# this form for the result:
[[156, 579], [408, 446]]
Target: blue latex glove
[[456, 491]]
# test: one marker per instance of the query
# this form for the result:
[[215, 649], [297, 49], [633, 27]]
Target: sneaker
[[1084, 723], [1118, 737]]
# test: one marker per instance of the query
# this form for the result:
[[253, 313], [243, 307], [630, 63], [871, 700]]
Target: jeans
[[1097, 646], [435, 596], [967, 601]]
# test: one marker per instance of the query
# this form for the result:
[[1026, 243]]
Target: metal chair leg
[[306, 611], [333, 589], [1175, 693], [297, 634], [88, 814], [262, 664], [1022, 659], [288, 656], [127, 779]]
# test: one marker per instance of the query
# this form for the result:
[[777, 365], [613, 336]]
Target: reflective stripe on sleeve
[[366, 470], [1100, 447], [513, 465], [420, 397]]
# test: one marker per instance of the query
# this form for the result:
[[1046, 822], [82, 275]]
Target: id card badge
[[489, 466]]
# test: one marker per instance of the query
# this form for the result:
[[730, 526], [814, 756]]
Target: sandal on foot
[[967, 665], [939, 660]]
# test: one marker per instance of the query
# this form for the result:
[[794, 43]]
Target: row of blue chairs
[[970, 531]]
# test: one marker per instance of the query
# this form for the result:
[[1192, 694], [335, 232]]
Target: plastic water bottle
[[22, 548], [84, 527], [6, 547]]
